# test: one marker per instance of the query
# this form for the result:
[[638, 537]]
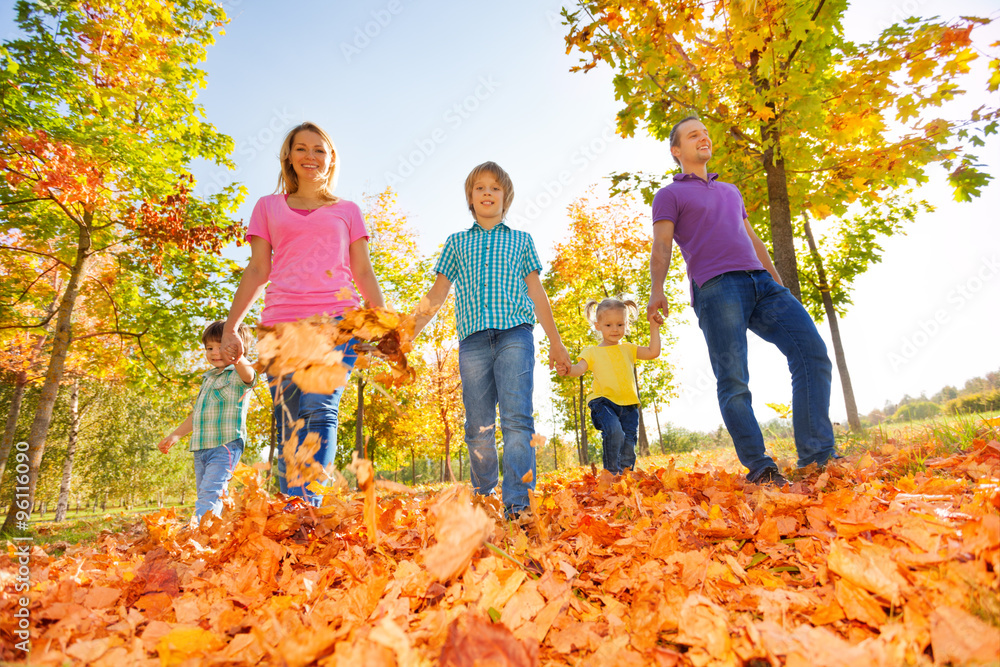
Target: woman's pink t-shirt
[[310, 258]]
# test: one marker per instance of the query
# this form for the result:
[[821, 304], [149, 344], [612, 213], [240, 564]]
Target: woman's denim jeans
[[321, 413], [497, 368], [729, 304]]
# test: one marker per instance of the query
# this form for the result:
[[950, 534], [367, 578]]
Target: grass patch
[[62, 535]]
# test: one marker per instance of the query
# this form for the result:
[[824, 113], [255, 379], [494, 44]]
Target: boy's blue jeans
[[213, 468], [497, 368], [321, 413], [619, 427], [729, 304]]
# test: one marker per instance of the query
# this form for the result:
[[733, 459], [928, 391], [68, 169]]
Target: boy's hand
[[167, 443], [559, 358]]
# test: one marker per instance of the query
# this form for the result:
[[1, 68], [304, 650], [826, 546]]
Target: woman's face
[[311, 157]]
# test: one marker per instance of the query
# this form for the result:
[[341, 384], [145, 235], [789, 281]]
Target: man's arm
[[659, 264], [761, 250], [431, 303], [558, 355]]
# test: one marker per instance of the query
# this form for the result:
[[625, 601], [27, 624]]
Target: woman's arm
[[252, 283], [364, 274]]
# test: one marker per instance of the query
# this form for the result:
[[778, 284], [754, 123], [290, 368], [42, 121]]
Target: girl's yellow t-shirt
[[612, 368]]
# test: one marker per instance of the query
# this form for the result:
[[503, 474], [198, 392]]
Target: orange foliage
[[853, 565]]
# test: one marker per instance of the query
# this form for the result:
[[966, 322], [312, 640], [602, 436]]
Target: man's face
[[694, 146]]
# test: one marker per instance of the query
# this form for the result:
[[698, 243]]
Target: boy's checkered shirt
[[488, 269], [220, 411]]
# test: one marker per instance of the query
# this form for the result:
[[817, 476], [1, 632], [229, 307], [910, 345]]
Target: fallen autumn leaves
[[852, 566]]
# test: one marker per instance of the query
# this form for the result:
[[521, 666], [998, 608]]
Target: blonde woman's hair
[[621, 303], [503, 178], [288, 181]]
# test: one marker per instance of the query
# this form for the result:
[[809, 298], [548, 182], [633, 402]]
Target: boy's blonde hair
[[498, 173], [592, 311], [288, 181], [213, 334]]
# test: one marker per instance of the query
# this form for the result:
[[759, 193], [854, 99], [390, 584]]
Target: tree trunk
[[359, 420], [643, 438], [448, 475], [584, 450], [20, 385], [74, 435], [782, 235], [53, 376], [659, 433], [838, 346], [12, 414], [413, 467], [576, 431]]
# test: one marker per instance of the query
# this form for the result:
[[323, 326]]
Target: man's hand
[[167, 443], [657, 303]]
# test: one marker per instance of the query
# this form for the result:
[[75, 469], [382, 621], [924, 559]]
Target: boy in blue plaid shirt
[[218, 422], [498, 295]]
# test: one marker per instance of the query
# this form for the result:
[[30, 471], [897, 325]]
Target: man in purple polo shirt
[[735, 287]]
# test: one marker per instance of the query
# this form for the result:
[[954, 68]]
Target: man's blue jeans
[[729, 304], [619, 427], [497, 368], [321, 413], [213, 469]]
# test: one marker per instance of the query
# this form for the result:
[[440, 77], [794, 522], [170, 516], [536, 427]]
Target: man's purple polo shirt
[[708, 225]]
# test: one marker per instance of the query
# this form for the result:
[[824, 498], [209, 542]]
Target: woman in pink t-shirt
[[313, 248]]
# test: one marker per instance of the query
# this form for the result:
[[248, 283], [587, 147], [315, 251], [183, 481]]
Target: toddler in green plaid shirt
[[498, 296], [218, 422]]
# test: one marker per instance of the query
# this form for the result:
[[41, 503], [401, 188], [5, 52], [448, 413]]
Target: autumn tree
[[101, 129], [606, 254], [826, 121]]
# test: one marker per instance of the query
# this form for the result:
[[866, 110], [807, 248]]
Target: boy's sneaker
[[770, 475]]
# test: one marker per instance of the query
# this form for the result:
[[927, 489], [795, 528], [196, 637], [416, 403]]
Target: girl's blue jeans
[[497, 369], [619, 427], [727, 306], [321, 413]]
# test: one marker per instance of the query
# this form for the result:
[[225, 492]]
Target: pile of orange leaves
[[853, 565], [306, 349]]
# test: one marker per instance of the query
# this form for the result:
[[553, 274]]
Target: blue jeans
[[213, 468], [497, 368], [729, 304], [321, 413], [619, 427]]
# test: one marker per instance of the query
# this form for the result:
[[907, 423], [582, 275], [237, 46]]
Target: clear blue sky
[[417, 93]]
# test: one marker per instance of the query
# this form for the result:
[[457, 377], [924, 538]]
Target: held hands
[[559, 358], [657, 302], [231, 347]]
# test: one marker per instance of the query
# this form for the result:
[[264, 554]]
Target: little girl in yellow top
[[613, 399]]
